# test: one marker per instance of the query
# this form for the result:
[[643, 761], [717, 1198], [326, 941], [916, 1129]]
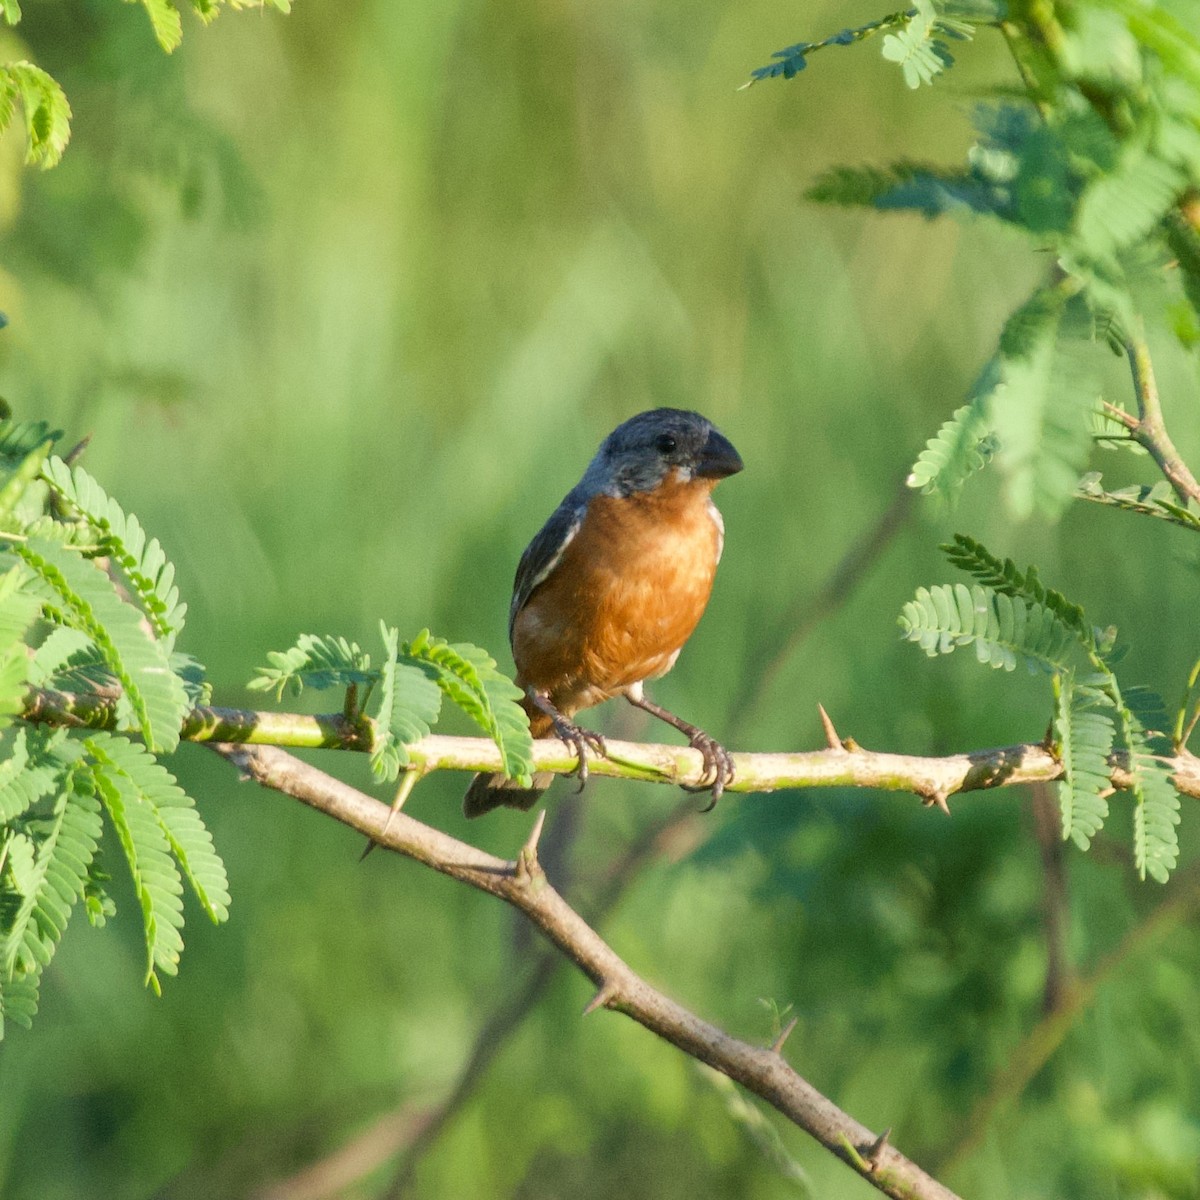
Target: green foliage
[[317, 662], [410, 700], [964, 444], [1010, 616], [154, 820], [88, 606], [470, 677], [793, 59], [407, 688], [1083, 732], [142, 563], [917, 41], [43, 884], [43, 102], [47, 112], [1002, 628], [1155, 500], [86, 598], [1093, 166], [1156, 815]]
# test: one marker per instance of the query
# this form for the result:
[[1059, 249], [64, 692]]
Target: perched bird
[[612, 586]]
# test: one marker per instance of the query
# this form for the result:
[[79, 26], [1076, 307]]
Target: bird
[[612, 586]]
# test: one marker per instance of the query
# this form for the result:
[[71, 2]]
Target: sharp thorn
[[407, 782], [527, 863], [535, 835], [784, 1034], [875, 1151], [831, 734], [601, 999], [936, 799]]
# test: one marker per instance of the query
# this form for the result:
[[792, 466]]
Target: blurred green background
[[347, 300]]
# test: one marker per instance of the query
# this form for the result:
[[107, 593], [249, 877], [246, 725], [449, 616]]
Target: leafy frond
[[192, 676], [18, 607], [175, 812], [1003, 576], [47, 113], [165, 21], [1003, 628], [409, 703], [908, 186], [14, 488], [316, 662], [1184, 243], [918, 48], [1156, 811], [1157, 500], [51, 883], [148, 852], [1084, 729], [18, 1001], [142, 561], [470, 677], [69, 660], [790, 61], [18, 438], [31, 764], [1125, 204], [963, 445], [90, 600]]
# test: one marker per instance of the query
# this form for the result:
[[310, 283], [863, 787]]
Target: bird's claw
[[718, 763], [582, 741]]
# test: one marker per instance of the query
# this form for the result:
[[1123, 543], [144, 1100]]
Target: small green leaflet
[[409, 703], [91, 603], [47, 113]]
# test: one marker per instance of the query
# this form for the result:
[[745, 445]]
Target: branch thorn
[[875, 1151], [936, 798], [784, 1034], [408, 781], [602, 999], [831, 734], [527, 861], [1119, 415]]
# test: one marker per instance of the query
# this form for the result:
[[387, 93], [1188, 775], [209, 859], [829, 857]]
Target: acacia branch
[[521, 882], [844, 763]]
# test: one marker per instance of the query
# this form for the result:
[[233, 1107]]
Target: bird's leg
[[718, 762], [575, 736]]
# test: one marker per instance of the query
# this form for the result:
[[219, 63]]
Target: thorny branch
[[522, 883], [843, 763]]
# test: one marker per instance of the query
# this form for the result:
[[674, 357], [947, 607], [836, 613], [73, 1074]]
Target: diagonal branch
[[523, 885]]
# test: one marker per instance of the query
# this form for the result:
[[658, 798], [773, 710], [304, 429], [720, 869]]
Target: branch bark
[[844, 763], [521, 883]]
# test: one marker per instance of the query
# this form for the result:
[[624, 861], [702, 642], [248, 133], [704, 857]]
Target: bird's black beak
[[718, 458]]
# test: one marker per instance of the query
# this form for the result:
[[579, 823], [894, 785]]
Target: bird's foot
[[582, 741], [718, 763]]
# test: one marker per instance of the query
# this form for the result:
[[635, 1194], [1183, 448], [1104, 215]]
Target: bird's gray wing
[[542, 554]]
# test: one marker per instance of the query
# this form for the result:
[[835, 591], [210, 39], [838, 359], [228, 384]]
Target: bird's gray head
[[638, 454]]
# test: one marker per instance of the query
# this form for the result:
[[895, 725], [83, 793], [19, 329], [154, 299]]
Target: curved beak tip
[[718, 458]]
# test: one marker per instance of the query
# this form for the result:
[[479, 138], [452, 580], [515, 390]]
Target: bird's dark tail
[[495, 791]]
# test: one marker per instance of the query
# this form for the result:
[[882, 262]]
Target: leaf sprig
[[403, 695], [1010, 616]]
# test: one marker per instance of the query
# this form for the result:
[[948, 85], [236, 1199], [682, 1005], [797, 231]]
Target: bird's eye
[[664, 443]]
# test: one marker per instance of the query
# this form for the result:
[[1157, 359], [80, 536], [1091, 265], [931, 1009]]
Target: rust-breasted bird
[[612, 586]]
